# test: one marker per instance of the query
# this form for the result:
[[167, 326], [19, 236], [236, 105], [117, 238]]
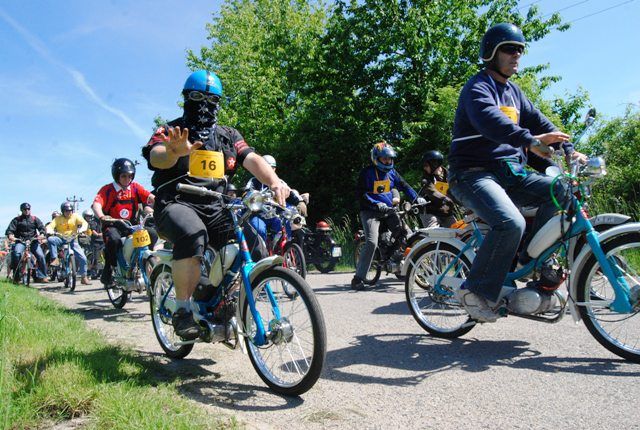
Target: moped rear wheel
[[434, 307], [291, 360], [326, 263], [619, 333], [161, 286]]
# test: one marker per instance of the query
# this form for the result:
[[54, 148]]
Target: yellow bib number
[[380, 187], [442, 187], [206, 164], [141, 238], [511, 112]]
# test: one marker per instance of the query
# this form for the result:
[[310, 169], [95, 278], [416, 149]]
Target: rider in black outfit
[[27, 227]]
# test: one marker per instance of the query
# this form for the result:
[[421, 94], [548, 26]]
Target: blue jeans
[[495, 194], [18, 249], [273, 225], [81, 259]]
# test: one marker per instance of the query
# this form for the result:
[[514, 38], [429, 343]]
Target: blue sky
[[81, 81]]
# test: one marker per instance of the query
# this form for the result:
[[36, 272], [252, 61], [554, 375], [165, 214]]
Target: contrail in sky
[[77, 77]]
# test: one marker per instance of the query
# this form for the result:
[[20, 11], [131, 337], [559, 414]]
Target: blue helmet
[[203, 81], [382, 149]]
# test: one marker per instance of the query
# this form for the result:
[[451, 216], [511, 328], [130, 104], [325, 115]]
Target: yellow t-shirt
[[67, 226]]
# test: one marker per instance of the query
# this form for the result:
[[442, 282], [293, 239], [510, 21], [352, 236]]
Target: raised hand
[[178, 144]]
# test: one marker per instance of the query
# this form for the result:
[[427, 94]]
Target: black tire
[[375, 270], [308, 365], [117, 296], [71, 274], [597, 316], [294, 259], [161, 281], [420, 295], [327, 263], [27, 275]]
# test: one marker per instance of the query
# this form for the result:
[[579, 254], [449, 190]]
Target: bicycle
[[134, 263], [603, 280], [67, 270], [22, 273], [281, 244], [243, 304]]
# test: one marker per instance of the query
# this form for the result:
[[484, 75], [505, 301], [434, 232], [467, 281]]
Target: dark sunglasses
[[198, 96], [512, 49]]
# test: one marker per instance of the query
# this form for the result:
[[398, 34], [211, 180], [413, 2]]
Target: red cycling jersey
[[121, 203]]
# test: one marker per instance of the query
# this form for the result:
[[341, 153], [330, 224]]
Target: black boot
[[106, 278], [357, 283], [184, 325]]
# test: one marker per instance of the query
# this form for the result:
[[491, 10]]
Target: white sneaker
[[475, 305]]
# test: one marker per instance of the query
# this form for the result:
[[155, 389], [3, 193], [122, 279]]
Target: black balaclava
[[200, 117]]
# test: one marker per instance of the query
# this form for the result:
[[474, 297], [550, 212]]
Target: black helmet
[[500, 34], [433, 158], [66, 206], [25, 206], [122, 165]]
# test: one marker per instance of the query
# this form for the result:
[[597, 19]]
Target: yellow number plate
[[442, 187], [141, 238], [511, 112], [206, 164]]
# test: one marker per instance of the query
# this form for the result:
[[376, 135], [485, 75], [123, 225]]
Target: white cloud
[[77, 76]]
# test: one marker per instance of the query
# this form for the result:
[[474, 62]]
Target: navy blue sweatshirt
[[483, 134], [375, 187]]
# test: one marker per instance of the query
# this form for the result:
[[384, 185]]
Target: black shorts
[[190, 227]]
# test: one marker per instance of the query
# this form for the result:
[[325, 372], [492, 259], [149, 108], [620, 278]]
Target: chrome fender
[[434, 235], [586, 252], [164, 256]]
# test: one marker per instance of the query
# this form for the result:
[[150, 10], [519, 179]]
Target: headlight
[[406, 206], [254, 201], [595, 167]]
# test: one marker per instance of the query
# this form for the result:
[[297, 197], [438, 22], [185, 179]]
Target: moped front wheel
[[117, 296], [294, 259], [618, 332], [434, 306], [161, 288], [71, 274], [292, 357]]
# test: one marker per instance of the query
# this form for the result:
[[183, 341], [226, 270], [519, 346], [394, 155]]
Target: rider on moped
[[273, 225], [120, 200], [27, 227], [68, 225], [495, 129], [374, 193], [438, 212], [192, 222]]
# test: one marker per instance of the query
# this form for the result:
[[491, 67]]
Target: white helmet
[[87, 214], [270, 160]]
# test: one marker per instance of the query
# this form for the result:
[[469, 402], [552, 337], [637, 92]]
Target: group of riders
[[497, 132]]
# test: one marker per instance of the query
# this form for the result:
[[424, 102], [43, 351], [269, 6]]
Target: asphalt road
[[383, 371]]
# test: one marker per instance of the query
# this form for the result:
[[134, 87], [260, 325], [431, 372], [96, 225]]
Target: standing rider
[[495, 128], [27, 227], [68, 225], [120, 200], [438, 212], [192, 222], [374, 192]]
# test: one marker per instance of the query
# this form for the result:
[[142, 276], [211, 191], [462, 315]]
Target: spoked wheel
[[434, 307], [291, 360], [375, 269], [619, 333], [117, 295], [294, 259], [161, 284], [70, 280]]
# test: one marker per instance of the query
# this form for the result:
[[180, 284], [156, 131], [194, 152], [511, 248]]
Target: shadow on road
[[419, 357]]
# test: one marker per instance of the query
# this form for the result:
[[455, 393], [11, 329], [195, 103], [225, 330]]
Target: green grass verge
[[52, 368]]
